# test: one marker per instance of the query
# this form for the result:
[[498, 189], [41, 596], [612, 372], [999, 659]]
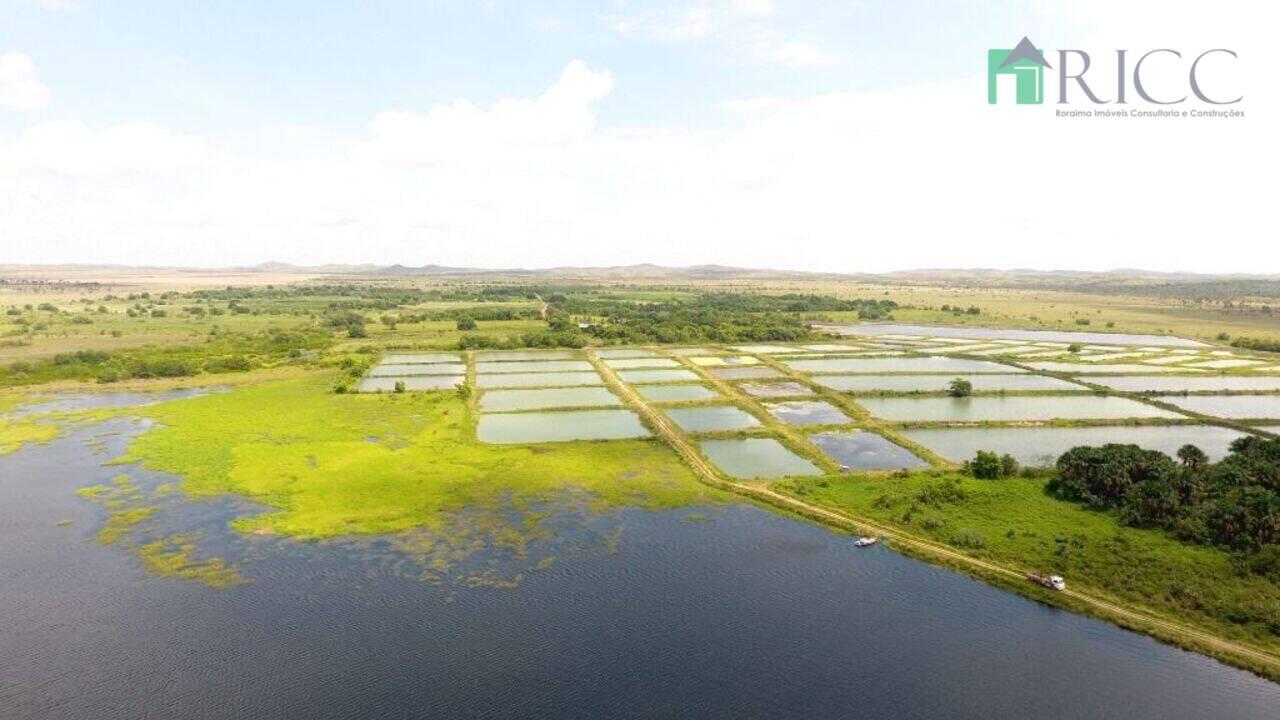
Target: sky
[[837, 136]]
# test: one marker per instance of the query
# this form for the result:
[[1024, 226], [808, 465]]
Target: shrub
[[986, 465]]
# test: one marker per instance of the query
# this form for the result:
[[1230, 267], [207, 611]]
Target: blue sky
[[600, 132], [221, 65]]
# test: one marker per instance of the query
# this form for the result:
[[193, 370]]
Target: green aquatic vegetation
[[125, 512], [334, 465], [175, 557], [128, 507], [10, 401], [17, 433]]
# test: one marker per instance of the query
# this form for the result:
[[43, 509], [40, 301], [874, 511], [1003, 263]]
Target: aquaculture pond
[[410, 382], [631, 363], [508, 400], [1242, 407], [1043, 445], [987, 333], [1177, 384], [676, 393], [808, 412], [412, 358], [1013, 408], [559, 426], [1083, 368], [756, 458], [388, 370], [775, 389], [900, 365], [525, 355], [860, 450], [532, 366], [711, 419], [562, 379], [657, 376], [744, 373], [727, 360], [625, 353], [941, 383], [560, 610]]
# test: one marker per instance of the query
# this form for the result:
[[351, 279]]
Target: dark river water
[[736, 613]]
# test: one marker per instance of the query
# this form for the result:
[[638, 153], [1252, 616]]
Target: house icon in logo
[[1026, 64]]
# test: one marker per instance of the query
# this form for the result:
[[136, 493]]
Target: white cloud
[[926, 175], [747, 30], [462, 133], [20, 88], [72, 148]]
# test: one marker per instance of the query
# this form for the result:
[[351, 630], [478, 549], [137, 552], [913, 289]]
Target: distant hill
[[1190, 286]]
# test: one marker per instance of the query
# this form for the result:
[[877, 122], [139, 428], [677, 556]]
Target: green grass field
[[1014, 521]]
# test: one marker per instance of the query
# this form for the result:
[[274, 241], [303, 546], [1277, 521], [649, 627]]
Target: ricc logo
[[1027, 65]]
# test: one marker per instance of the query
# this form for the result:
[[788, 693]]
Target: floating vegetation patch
[[130, 508], [17, 433]]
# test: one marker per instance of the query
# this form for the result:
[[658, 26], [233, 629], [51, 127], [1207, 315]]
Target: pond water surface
[[808, 412], [757, 458], [986, 333], [995, 408], [900, 365], [861, 450], [1231, 406], [559, 426], [1042, 445], [676, 393], [711, 419], [743, 613], [506, 400], [941, 383], [1177, 384]]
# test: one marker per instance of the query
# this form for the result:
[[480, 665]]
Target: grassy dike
[[1141, 579]]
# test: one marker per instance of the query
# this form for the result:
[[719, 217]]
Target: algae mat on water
[[16, 433], [348, 464]]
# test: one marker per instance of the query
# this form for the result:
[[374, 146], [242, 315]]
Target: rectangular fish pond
[[861, 450], [676, 393], [540, 427], [513, 400], [808, 412], [712, 419], [996, 409], [1238, 407], [775, 389], [388, 370], [657, 376], [939, 383], [420, 358], [413, 383], [744, 373], [651, 362], [1041, 446], [900, 365], [562, 379], [763, 458], [489, 368], [1178, 384]]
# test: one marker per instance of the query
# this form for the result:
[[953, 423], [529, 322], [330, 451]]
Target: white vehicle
[[1050, 581]]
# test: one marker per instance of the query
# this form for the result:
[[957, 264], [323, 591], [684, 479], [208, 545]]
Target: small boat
[[865, 541]]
